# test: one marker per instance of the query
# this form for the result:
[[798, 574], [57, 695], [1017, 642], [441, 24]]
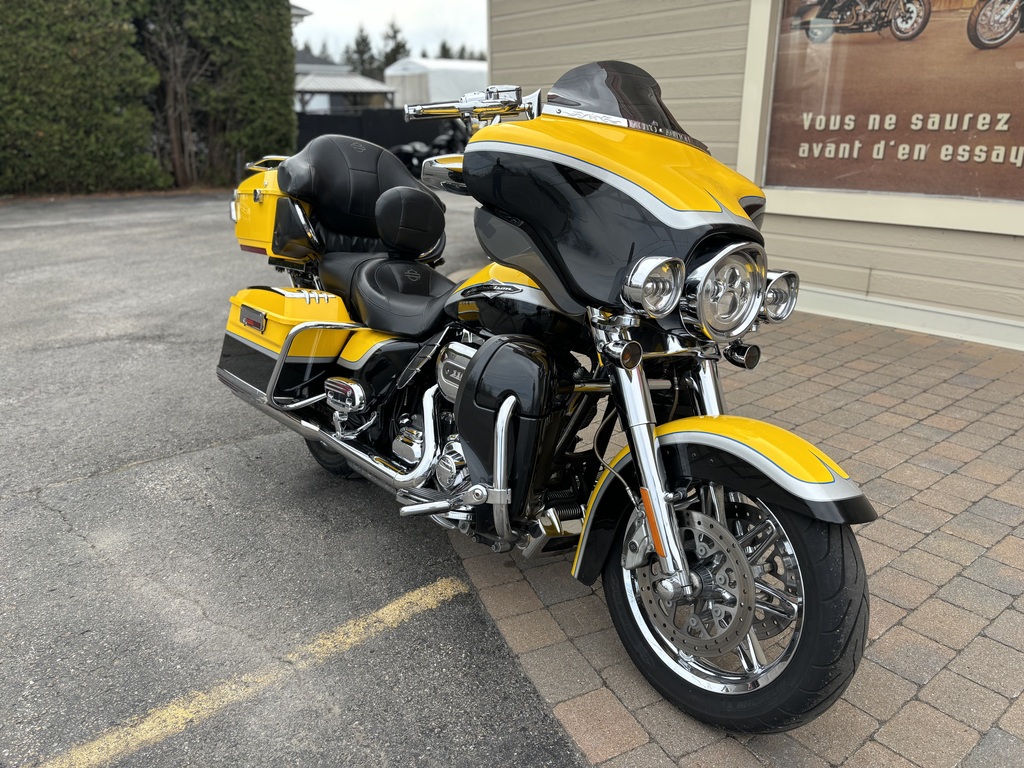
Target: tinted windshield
[[618, 90]]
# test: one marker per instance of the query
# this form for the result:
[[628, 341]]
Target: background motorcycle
[[450, 141], [993, 22], [906, 18], [627, 264]]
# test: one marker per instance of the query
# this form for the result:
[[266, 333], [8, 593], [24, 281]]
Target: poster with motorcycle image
[[909, 96]]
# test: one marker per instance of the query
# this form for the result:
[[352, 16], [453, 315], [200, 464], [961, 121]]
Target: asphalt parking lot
[[180, 584]]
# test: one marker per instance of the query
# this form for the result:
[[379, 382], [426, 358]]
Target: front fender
[[760, 460]]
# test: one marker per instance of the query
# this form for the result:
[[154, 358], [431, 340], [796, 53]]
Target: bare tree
[[181, 65]]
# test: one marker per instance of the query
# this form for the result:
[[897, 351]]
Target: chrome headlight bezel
[[780, 296], [724, 295], [654, 286]]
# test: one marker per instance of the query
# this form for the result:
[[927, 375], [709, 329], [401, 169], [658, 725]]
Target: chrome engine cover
[[450, 469], [408, 444], [451, 367]]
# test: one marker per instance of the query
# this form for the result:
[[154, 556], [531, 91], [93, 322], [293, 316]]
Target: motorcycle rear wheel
[[800, 645], [987, 28], [910, 19], [330, 460]]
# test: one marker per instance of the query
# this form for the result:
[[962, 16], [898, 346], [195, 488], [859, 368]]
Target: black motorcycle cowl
[[505, 366], [589, 232]]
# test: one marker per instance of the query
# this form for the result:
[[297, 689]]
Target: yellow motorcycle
[[626, 265]]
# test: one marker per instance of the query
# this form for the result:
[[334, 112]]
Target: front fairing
[[596, 198]]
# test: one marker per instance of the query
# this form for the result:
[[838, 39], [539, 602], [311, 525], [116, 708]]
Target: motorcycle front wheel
[[910, 19], [992, 23], [778, 629]]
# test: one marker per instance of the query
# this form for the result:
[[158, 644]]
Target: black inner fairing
[[589, 231]]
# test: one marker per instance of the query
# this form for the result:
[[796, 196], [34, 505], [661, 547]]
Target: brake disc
[[777, 574], [722, 615]]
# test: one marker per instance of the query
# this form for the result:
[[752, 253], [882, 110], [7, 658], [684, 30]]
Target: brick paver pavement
[[933, 431]]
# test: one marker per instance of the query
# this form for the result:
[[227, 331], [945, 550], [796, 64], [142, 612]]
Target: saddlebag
[[258, 328]]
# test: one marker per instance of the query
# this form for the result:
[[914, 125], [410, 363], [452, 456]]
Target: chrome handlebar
[[495, 101]]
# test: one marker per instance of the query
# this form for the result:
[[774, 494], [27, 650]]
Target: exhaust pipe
[[367, 463]]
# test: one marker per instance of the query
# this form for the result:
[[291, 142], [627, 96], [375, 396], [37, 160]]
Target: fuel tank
[[505, 301]]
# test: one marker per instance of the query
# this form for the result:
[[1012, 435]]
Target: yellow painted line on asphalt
[[195, 707]]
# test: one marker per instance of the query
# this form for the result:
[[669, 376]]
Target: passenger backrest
[[342, 179]]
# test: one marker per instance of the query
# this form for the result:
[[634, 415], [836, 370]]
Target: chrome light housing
[[654, 285], [724, 295], [780, 298]]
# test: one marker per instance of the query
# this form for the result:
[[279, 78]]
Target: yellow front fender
[[758, 459]]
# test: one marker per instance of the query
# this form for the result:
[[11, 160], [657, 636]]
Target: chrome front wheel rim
[[760, 653]]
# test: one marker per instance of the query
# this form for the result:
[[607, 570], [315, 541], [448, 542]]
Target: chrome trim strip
[[624, 122], [673, 217]]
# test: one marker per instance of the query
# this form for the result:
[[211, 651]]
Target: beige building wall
[[713, 60]]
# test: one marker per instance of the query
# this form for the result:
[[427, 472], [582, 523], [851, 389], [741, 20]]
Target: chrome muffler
[[366, 462]]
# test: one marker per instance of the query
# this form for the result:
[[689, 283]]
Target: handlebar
[[495, 101]]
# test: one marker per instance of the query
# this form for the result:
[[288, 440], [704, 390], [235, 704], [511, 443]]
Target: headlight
[[724, 295], [780, 298], [655, 285]]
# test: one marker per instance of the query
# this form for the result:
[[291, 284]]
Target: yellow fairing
[[263, 317], [681, 176]]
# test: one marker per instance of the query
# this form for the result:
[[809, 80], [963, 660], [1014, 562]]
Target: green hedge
[[78, 96], [72, 89]]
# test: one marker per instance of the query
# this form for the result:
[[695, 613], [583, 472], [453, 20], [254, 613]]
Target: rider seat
[[375, 219]]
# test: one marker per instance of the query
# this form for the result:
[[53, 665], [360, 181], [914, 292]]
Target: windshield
[[621, 91]]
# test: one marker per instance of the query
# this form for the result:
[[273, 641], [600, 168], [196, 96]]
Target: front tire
[[910, 19], [990, 26], [797, 649]]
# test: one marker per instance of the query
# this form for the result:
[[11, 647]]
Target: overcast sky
[[424, 23]]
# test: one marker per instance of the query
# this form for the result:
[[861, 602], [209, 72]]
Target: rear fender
[[758, 459]]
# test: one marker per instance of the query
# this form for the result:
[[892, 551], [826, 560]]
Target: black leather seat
[[384, 285], [406, 298]]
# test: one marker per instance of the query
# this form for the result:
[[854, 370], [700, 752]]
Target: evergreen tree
[[73, 116], [248, 99], [361, 57], [395, 47]]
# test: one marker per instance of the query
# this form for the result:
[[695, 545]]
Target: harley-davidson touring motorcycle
[[993, 22], [820, 20], [626, 265]]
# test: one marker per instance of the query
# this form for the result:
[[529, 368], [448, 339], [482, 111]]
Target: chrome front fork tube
[[629, 385]]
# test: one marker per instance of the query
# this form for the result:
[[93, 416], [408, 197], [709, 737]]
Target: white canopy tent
[[421, 81]]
